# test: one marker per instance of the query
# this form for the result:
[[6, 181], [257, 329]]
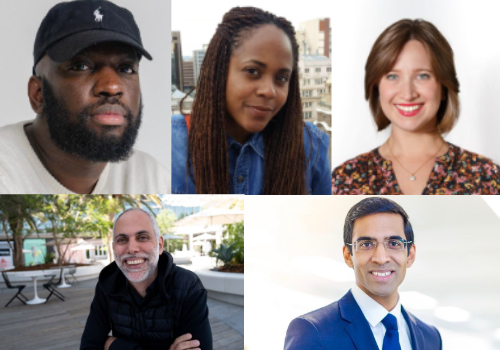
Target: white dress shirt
[[375, 313]]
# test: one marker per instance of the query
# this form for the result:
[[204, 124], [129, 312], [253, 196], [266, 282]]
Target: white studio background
[[471, 28], [18, 27], [294, 265]]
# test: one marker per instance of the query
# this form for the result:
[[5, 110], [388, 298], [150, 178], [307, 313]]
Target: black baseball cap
[[70, 27]]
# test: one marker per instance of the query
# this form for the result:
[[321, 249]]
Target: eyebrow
[[263, 65], [373, 239], [414, 70], [136, 234]]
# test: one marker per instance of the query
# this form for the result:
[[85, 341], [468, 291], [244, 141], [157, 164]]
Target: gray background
[[18, 27]]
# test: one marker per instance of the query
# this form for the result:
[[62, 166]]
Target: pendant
[[413, 178]]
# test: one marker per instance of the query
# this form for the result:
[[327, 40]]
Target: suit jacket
[[342, 326]]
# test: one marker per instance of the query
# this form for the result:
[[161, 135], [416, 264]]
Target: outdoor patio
[[59, 325]]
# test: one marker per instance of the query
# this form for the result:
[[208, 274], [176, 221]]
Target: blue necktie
[[391, 338]]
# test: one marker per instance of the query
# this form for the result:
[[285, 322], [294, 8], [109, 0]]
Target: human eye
[[79, 67], [391, 76], [252, 71], [143, 238], [128, 69], [365, 245], [283, 78], [394, 244], [121, 240], [424, 76]]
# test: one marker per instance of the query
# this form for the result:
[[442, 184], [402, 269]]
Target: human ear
[[160, 242], [35, 94], [347, 257], [411, 256]]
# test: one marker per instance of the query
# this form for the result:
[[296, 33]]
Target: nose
[[380, 255], [108, 83], [266, 88], [409, 91], [133, 247]]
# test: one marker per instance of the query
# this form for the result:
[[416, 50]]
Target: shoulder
[[429, 333], [141, 173], [178, 121], [315, 330], [478, 174], [355, 164], [313, 134], [352, 176]]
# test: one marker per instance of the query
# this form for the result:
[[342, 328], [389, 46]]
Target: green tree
[[234, 234], [17, 214]]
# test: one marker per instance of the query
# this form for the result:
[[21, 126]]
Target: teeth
[[135, 262], [382, 273], [408, 108]]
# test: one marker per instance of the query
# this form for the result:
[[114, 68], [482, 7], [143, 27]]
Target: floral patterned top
[[456, 172]]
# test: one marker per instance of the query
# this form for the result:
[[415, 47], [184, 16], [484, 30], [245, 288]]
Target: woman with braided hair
[[245, 133]]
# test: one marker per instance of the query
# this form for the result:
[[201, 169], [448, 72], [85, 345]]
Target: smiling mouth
[[382, 273], [135, 262], [409, 110]]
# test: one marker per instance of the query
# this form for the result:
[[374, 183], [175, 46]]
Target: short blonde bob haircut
[[383, 57]]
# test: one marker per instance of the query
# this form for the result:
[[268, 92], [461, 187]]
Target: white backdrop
[[294, 264], [471, 28], [18, 27]]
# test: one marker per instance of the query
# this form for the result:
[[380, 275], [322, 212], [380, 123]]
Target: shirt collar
[[256, 142], [373, 311]]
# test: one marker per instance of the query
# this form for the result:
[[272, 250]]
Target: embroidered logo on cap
[[98, 15]]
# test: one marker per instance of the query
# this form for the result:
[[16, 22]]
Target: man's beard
[[152, 263], [78, 139]]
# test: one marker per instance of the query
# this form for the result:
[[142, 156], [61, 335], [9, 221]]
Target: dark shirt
[[175, 304]]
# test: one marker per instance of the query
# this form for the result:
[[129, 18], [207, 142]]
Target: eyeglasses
[[371, 244]]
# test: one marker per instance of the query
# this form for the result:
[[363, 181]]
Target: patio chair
[[72, 271], [19, 289], [51, 286]]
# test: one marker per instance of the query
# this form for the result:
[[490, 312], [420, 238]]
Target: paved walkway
[[59, 325]]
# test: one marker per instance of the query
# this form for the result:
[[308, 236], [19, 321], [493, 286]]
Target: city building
[[198, 56], [314, 72], [314, 37], [177, 67], [188, 73]]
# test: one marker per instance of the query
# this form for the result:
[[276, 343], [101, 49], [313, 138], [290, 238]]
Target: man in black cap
[[85, 91]]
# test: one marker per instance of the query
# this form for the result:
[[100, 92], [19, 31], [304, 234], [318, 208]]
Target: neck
[[415, 144], [141, 287], [389, 302], [75, 173], [236, 131]]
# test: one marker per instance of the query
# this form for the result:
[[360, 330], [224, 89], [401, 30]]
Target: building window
[[101, 251], [328, 69], [306, 70], [307, 81], [307, 104], [307, 115], [307, 93], [318, 81], [320, 91], [318, 69]]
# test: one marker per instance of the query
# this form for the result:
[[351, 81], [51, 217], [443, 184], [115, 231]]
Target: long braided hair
[[285, 161]]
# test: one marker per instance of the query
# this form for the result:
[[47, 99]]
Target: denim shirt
[[246, 162]]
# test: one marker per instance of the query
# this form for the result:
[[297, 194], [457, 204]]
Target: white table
[[63, 283], [34, 276]]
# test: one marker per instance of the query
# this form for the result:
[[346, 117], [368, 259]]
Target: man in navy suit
[[379, 246]]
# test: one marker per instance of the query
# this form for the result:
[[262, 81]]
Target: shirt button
[[240, 179]]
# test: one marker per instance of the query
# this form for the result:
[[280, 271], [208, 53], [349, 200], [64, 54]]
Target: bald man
[[143, 297], [86, 94]]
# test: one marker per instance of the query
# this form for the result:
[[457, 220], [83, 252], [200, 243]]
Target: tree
[[66, 217], [234, 234], [17, 214]]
